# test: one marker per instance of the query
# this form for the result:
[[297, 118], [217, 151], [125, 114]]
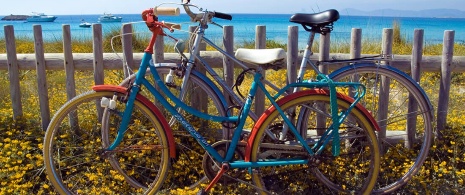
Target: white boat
[[109, 18], [85, 24], [40, 17]]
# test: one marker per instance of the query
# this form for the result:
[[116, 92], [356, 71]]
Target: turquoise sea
[[244, 27]]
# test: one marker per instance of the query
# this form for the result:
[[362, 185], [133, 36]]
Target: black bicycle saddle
[[316, 19]]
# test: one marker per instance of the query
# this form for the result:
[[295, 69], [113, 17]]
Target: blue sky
[[67, 7]]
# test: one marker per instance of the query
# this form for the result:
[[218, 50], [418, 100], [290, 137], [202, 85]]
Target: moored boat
[[85, 24], [40, 17], [109, 18]]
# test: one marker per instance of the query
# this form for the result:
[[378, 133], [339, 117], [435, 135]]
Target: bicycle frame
[[141, 81]]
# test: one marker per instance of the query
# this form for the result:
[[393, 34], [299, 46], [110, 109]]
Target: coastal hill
[[15, 17], [430, 13]]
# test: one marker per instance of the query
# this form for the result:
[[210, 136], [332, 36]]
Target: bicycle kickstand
[[224, 168]]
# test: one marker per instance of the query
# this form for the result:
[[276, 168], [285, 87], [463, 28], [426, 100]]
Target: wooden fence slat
[[324, 47], [84, 61], [355, 51], [198, 100], [41, 76], [260, 43], [444, 88], [158, 49], [417, 52], [68, 62], [292, 53], [126, 39], [69, 71], [13, 71], [228, 64], [97, 46], [384, 85], [356, 43]]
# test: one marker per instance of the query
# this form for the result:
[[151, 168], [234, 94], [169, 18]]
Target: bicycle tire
[[395, 155], [74, 154], [356, 138]]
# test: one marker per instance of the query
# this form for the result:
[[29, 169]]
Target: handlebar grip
[[223, 16], [166, 11], [173, 25]]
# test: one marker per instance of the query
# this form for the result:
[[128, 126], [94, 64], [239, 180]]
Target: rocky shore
[[15, 17]]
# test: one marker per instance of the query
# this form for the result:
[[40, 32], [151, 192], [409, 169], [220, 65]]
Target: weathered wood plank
[[228, 64], [417, 52], [444, 88], [84, 61], [41, 76], [13, 71], [384, 85], [98, 64], [68, 62], [126, 39], [260, 43], [292, 53], [325, 42]]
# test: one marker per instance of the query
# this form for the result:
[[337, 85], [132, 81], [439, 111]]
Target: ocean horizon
[[245, 24]]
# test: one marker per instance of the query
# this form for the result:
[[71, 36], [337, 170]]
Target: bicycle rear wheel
[[353, 171], [406, 120], [74, 149]]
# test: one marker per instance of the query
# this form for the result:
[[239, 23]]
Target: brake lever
[[216, 24]]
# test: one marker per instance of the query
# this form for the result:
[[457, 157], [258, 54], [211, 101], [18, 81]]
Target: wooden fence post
[[97, 47], [386, 49], [159, 49], [13, 71], [292, 53], [126, 39], [41, 76], [444, 88], [97, 40], [198, 99], [68, 65], [356, 43], [417, 52], [228, 64], [260, 43], [325, 42], [68, 62], [355, 50]]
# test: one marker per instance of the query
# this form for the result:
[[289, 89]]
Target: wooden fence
[[98, 61]]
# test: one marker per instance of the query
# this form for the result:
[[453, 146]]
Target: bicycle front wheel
[[404, 115], [354, 170], [201, 94], [74, 149]]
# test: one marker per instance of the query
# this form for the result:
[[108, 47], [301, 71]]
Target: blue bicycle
[[397, 102], [113, 139]]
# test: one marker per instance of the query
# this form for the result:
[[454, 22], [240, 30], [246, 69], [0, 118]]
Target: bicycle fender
[[151, 106], [292, 96]]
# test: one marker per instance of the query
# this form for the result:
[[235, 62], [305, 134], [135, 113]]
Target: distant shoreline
[[15, 17]]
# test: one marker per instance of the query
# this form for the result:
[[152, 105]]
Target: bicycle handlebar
[[166, 11], [198, 17], [222, 15]]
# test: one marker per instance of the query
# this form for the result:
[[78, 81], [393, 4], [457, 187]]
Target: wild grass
[[21, 162]]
